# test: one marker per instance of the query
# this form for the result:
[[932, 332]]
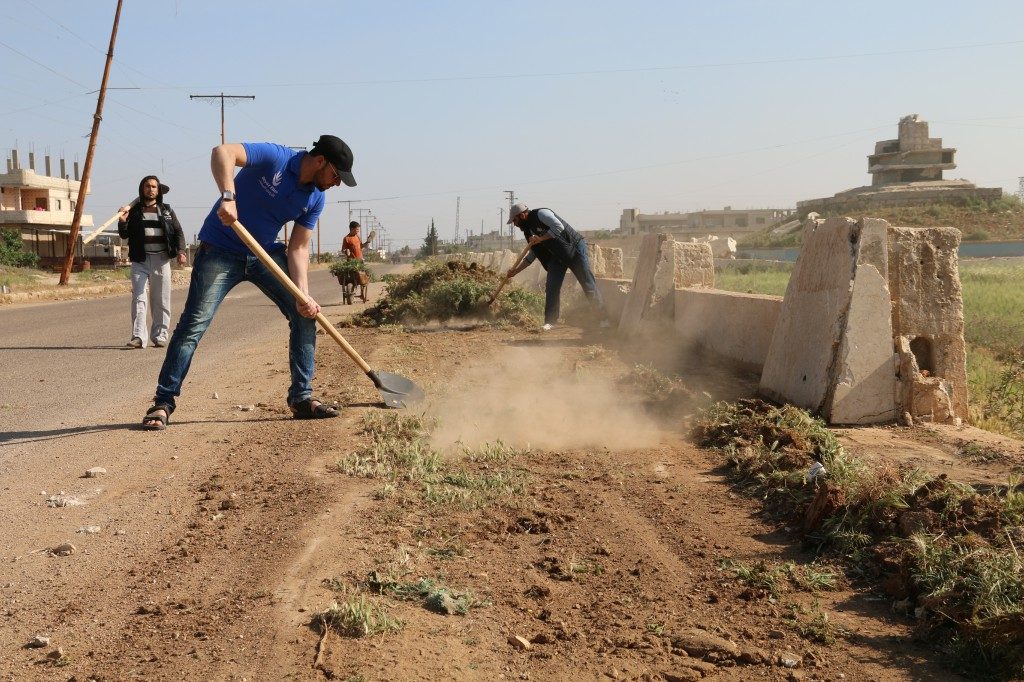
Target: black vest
[[135, 233], [560, 249]]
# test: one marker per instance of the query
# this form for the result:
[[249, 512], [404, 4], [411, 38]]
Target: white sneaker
[[548, 327]]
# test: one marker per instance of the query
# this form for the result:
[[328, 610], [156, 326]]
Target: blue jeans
[[214, 273], [580, 266]]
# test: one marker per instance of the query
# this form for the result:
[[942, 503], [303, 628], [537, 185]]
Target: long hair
[[160, 188]]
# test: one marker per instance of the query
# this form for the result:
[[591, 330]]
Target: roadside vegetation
[[947, 554], [994, 332], [445, 291], [999, 220]]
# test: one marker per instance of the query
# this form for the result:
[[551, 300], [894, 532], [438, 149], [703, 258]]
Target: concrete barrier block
[[732, 326], [863, 385], [614, 292], [802, 350], [642, 288], [928, 320], [693, 266]]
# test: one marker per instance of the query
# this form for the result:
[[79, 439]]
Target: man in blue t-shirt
[[276, 185]]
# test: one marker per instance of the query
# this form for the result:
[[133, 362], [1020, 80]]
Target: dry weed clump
[[399, 452], [948, 552], [440, 292]]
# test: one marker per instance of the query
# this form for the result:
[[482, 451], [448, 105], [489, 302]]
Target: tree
[[12, 250], [429, 247]]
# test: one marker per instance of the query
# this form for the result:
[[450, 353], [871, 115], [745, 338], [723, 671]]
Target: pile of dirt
[[440, 292]]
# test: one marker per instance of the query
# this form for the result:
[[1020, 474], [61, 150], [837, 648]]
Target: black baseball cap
[[338, 154]]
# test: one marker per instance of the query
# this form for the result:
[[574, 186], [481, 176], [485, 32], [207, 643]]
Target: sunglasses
[[337, 175]]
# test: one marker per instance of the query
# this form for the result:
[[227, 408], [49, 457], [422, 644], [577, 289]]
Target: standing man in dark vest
[[558, 247], [154, 237]]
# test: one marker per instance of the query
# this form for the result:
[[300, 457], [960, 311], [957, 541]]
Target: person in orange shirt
[[352, 247]]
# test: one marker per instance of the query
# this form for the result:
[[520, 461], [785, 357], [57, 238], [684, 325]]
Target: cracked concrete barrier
[[832, 349], [663, 266], [928, 321]]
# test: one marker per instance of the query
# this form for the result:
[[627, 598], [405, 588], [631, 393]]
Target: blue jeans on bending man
[[215, 272], [580, 267]]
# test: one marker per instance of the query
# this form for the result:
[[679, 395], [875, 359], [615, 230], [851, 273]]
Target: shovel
[[494, 296], [396, 390]]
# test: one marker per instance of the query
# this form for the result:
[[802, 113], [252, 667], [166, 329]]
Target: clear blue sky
[[583, 106]]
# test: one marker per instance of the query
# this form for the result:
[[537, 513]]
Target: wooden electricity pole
[[83, 188]]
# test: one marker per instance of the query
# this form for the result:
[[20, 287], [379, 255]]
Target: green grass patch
[[97, 276], [953, 549], [754, 278], [431, 593]]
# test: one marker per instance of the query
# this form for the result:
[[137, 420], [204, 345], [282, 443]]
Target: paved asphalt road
[[64, 366]]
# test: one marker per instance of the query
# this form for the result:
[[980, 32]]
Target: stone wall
[[731, 326]]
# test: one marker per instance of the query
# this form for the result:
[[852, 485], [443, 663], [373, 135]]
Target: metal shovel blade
[[396, 390]]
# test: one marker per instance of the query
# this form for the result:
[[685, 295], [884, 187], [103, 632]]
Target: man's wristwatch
[[227, 195]]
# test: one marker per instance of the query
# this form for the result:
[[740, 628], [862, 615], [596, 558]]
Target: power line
[[642, 69], [222, 97]]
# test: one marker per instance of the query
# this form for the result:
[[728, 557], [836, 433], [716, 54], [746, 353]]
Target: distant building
[[492, 241], [906, 171], [41, 209], [725, 222]]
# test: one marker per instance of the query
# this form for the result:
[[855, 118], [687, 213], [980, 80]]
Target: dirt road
[[204, 551]]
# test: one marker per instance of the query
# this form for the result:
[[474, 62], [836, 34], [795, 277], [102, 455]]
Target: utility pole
[[222, 97], [458, 200], [83, 188], [511, 200]]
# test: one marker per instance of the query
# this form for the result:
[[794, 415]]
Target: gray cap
[[516, 210]]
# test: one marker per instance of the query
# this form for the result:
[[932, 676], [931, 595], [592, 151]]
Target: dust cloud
[[533, 397]]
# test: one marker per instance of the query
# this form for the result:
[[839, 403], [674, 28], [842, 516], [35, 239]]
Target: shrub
[[12, 251]]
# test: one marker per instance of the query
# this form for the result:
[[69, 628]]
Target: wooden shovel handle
[[494, 296], [295, 291]]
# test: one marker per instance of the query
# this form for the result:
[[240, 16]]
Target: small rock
[[788, 659], [66, 549], [684, 675], [776, 634], [38, 642], [228, 504], [700, 643], [216, 396], [56, 654], [89, 530], [120, 531], [95, 472], [543, 638], [519, 643]]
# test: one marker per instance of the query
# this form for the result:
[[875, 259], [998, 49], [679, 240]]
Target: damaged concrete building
[[906, 171], [40, 208]]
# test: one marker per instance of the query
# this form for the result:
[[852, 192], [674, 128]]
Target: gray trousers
[[156, 272]]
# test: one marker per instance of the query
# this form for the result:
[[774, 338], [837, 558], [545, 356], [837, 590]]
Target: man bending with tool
[[275, 185], [558, 247]]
